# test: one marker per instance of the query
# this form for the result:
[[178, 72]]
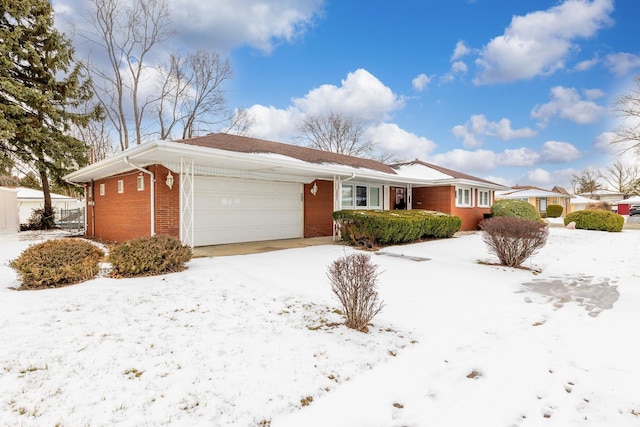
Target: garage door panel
[[233, 210]]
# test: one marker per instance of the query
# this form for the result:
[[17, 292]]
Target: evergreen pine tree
[[41, 88]]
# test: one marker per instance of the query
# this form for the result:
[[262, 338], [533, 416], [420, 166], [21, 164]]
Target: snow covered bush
[[57, 262], [353, 279], [147, 256], [513, 240]]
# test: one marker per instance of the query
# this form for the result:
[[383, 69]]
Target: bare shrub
[[353, 279], [599, 206], [513, 240]]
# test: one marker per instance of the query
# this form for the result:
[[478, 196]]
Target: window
[[484, 198], [120, 186], [543, 204], [102, 189], [463, 197], [374, 198], [361, 196], [140, 183], [347, 196]]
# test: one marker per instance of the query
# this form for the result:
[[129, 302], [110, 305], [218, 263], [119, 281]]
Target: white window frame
[[120, 186], [140, 183], [102, 189], [352, 188], [89, 192], [460, 194], [484, 194]]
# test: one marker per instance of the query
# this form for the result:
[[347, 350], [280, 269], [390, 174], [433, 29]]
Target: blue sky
[[518, 92]]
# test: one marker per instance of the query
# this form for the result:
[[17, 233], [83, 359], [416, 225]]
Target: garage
[[228, 210]]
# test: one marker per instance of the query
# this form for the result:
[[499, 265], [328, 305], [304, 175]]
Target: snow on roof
[[33, 194], [420, 171], [530, 192], [630, 201], [580, 200]]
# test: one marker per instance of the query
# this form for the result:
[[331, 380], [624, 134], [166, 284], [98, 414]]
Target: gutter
[[152, 192]]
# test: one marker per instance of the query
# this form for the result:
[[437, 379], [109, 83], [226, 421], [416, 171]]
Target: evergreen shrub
[[368, 228], [148, 256], [515, 209], [554, 211], [57, 262], [596, 220]]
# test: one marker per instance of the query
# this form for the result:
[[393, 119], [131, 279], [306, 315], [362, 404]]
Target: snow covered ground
[[254, 340]]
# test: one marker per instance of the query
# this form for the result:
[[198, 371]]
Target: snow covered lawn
[[255, 340]]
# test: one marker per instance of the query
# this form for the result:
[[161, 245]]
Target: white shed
[[30, 199], [9, 222]]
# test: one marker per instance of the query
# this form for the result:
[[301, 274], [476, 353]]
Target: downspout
[[152, 192]]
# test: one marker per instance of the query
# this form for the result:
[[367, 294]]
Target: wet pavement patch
[[412, 258], [594, 294]]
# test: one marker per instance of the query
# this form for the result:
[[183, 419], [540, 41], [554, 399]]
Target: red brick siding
[[167, 202], [318, 209], [127, 215], [443, 199]]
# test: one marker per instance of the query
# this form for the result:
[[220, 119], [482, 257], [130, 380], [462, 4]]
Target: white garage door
[[235, 210]]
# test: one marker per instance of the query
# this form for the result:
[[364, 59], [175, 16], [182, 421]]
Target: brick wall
[[318, 209], [443, 199], [118, 216]]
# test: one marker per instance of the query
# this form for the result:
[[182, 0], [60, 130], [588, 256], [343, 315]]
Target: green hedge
[[554, 211], [595, 220], [58, 262], [515, 209], [147, 256], [379, 228]]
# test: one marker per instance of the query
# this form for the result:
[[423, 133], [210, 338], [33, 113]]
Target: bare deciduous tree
[[587, 182], [192, 95], [623, 178], [125, 34], [628, 109], [241, 123], [336, 133]]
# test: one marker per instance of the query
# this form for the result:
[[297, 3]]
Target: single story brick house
[[224, 188]]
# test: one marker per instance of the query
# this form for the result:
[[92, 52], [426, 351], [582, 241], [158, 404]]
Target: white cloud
[[421, 81], [361, 95], [460, 50], [559, 152], [478, 126], [258, 23], [458, 67], [521, 157], [408, 146], [539, 177], [586, 65], [621, 64], [468, 161], [539, 42], [272, 123], [568, 104]]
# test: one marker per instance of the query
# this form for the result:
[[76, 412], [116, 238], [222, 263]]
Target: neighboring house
[[538, 197], [607, 196], [579, 203], [30, 199], [625, 204], [9, 219], [224, 188]]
